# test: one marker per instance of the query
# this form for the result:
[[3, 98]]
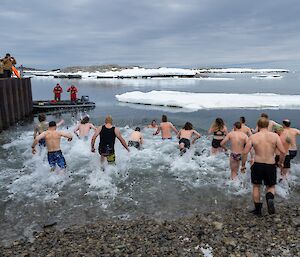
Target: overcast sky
[[152, 33]]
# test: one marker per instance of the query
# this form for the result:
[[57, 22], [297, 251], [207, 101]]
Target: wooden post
[[15, 92], [10, 102], [3, 104]]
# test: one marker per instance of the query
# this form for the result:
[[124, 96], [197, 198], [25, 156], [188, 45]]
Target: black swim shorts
[[134, 144], [216, 143], [186, 142], [263, 172], [292, 154]]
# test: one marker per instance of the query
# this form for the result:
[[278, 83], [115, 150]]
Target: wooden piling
[[15, 101]]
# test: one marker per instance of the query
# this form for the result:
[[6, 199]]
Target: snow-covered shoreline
[[136, 73]]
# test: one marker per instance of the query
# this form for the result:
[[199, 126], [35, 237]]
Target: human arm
[[225, 140], [35, 131], [66, 135], [76, 129], [92, 126], [97, 132], [121, 139], [178, 134], [157, 131], [245, 152], [60, 123], [36, 140], [197, 136], [174, 129]]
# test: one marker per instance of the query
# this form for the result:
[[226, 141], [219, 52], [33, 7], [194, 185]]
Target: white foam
[[268, 76], [198, 101]]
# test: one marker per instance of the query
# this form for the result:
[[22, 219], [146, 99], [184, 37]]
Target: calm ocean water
[[155, 181]]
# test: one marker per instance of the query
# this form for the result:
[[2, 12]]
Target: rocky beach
[[231, 232]]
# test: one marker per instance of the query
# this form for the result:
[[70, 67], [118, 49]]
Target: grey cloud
[[152, 33]]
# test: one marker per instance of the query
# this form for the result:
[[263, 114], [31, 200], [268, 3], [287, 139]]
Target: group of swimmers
[[268, 150]]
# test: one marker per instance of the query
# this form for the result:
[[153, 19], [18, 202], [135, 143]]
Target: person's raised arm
[[92, 126], [35, 131], [36, 140], [58, 124], [225, 130], [197, 136], [97, 132], [121, 139], [210, 130]]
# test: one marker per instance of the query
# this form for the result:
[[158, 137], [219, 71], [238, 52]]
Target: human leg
[[234, 167]]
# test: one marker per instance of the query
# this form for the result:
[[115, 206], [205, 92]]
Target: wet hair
[[264, 115], [164, 118], [42, 117], [52, 124], [262, 123], [7, 55], [242, 120], [108, 119], [237, 125], [138, 129], [188, 126], [286, 123], [218, 124], [153, 121], [85, 120]]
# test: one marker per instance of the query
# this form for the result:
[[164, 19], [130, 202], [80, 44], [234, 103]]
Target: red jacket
[[57, 89], [72, 89]]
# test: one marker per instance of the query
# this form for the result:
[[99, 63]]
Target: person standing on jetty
[[136, 138], [52, 138], [8, 62], [1, 69], [165, 127], [185, 135], [265, 144], [73, 93], [108, 134], [57, 92], [42, 126], [84, 128], [219, 130], [238, 141]]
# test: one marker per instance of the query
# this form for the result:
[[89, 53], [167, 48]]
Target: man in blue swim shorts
[[52, 138]]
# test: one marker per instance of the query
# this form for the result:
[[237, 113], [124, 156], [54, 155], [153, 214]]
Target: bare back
[[53, 140], [136, 136], [265, 144], [246, 130], [166, 128], [292, 134], [84, 129], [238, 141]]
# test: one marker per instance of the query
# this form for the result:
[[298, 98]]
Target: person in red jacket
[[57, 92], [73, 93]]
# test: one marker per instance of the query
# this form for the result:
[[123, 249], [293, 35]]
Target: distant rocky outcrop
[[93, 68]]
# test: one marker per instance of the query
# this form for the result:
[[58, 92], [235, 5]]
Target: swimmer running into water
[[42, 126], [52, 137], [166, 128], [265, 144], [185, 136], [136, 138], [153, 124], [84, 128], [238, 141], [219, 130]]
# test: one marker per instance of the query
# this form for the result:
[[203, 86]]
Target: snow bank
[[197, 101], [240, 70], [137, 72]]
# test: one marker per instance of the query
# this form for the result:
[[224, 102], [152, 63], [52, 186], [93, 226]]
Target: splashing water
[[154, 181]]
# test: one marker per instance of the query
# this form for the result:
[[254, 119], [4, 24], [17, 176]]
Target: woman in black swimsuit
[[219, 130]]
